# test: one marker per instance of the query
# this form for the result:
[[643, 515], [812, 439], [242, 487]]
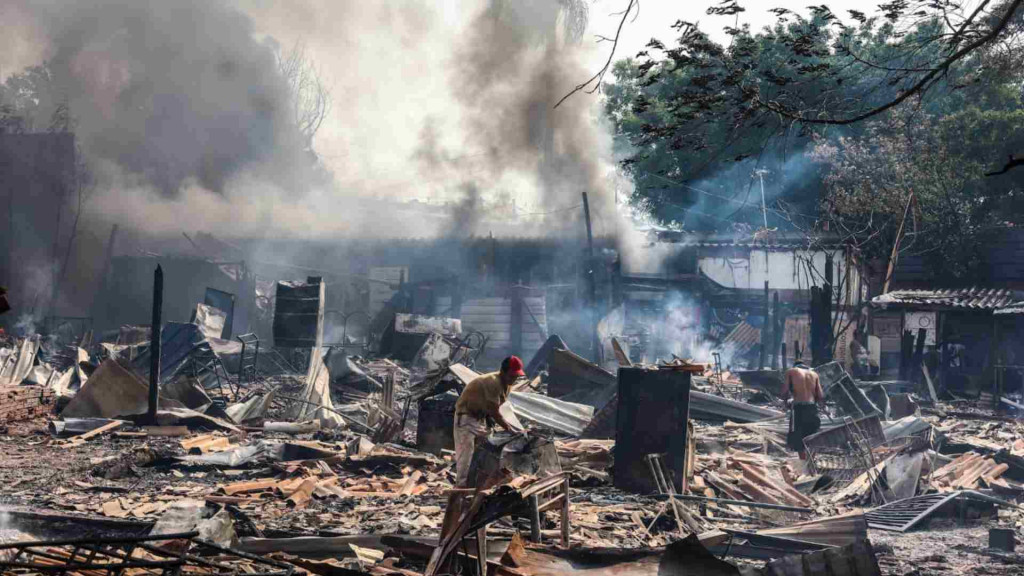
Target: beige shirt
[[482, 396]]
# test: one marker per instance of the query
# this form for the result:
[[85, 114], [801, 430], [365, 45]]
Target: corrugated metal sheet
[[742, 339], [565, 417], [974, 298], [493, 318], [420, 324]]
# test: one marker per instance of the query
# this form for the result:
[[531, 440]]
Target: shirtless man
[[803, 384]]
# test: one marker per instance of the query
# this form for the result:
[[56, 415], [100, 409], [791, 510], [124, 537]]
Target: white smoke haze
[[186, 122]]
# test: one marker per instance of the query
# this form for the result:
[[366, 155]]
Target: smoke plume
[[190, 120]]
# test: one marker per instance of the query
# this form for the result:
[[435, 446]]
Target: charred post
[[154, 347]]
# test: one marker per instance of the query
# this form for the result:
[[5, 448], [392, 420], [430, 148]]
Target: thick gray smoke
[[172, 93], [183, 111]]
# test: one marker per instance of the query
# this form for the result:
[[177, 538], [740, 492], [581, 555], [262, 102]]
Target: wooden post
[[997, 372], [815, 314], [565, 513], [918, 357], [617, 283], [516, 329], [534, 519], [828, 336], [154, 346], [776, 330], [481, 551], [766, 333], [591, 281], [906, 345]]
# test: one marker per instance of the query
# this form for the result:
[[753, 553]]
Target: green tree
[[695, 119]]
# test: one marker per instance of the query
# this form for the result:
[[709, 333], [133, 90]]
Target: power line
[[555, 211], [720, 197]]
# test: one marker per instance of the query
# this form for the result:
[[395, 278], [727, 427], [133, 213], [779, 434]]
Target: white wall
[[784, 270]]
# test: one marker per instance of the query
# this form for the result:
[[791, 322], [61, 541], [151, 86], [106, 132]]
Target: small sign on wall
[[914, 321]]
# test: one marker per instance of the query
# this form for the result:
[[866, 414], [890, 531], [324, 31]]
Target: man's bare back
[[803, 384]]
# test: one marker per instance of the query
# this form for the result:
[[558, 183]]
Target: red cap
[[515, 366]]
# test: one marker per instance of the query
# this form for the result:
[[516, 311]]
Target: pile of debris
[[314, 460]]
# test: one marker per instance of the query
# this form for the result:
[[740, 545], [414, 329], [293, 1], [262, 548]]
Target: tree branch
[[597, 78], [920, 86]]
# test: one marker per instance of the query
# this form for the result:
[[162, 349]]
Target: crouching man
[[478, 406]]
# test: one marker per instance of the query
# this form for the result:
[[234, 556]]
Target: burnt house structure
[[970, 336], [515, 291], [727, 291]]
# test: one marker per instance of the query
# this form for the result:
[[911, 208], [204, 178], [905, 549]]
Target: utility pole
[[764, 209], [154, 345], [595, 345]]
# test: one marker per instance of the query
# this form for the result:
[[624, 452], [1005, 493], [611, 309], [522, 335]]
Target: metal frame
[[904, 515], [248, 372], [487, 508]]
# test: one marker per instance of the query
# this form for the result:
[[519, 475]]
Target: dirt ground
[[35, 474], [943, 548]]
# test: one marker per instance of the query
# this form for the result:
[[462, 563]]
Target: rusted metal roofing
[[980, 299], [742, 339]]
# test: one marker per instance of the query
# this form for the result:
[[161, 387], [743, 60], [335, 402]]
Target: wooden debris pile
[[586, 458], [737, 475]]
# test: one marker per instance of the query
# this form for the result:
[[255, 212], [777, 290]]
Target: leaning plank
[[253, 486], [166, 430], [789, 493], [82, 438], [757, 493], [861, 484]]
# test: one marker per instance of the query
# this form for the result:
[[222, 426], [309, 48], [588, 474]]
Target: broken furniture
[[407, 334], [299, 314], [838, 385], [248, 359], [652, 416], [663, 479], [472, 513], [859, 447], [843, 452], [436, 423]]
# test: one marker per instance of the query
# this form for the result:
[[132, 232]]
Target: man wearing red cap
[[479, 404]]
